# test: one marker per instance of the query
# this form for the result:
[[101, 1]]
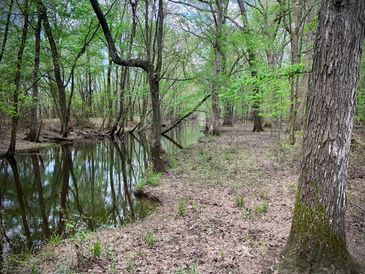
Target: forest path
[[226, 207]]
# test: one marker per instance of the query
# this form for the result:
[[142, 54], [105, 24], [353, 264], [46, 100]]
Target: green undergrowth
[[89, 250], [191, 269], [151, 178]]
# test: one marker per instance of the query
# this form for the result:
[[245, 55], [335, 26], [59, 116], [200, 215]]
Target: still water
[[90, 184]]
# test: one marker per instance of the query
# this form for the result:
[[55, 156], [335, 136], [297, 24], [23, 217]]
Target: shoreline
[[226, 205]]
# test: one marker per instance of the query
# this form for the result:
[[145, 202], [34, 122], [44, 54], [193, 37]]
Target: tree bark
[[57, 71], [218, 65], [3, 46], [15, 103], [34, 115], [295, 31], [109, 94], [317, 241]]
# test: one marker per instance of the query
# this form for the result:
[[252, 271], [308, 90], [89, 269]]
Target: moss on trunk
[[312, 246]]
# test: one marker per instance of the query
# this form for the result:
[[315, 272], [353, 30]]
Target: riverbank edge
[[50, 259], [63, 256]]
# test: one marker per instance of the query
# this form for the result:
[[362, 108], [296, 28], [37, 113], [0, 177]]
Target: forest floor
[[226, 208]]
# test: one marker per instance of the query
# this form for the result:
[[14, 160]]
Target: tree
[[62, 100], [317, 241], [219, 65], [19, 63], [152, 69], [5, 38], [252, 61], [34, 115]]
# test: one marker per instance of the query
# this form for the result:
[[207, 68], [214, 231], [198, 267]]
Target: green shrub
[[150, 239], [240, 201], [97, 249], [181, 208], [262, 207]]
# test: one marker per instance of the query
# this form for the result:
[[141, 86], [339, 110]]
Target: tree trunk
[[3, 46], [57, 72], [317, 241], [34, 115], [228, 114], [109, 94], [15, 115], [257, 119], [218, 66], [252, 61], [156, 150], [295, 59], [307, 59]]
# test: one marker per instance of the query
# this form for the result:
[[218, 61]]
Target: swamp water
[[89, 184]]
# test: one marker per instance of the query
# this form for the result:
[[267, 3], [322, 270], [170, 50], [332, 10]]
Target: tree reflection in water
[[90, 183]]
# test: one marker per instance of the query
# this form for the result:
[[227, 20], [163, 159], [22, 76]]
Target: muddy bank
[[226, 207]]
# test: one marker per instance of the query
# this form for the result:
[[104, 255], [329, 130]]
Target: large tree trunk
[[317, 241], [34, 115], [15, 103]]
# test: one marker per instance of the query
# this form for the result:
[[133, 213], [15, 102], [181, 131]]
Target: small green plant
[[140, 185], [192, 269], [240, 201], [111, 255], [55, 239], [150, 239], [97, 249], [36, 270], [181, 208], [262, 207], [173, 160], [195, 206], [151, 178]]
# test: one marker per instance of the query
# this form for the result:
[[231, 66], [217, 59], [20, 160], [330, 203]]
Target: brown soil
[[203, 226]]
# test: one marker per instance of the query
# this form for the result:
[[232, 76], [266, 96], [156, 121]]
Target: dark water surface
[[90, 184]]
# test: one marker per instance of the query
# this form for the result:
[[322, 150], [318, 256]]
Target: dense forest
[[105, 105]]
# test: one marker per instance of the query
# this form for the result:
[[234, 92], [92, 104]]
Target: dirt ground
[[226, 208]]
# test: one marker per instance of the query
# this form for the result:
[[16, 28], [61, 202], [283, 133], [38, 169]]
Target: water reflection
[[89, 182]]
